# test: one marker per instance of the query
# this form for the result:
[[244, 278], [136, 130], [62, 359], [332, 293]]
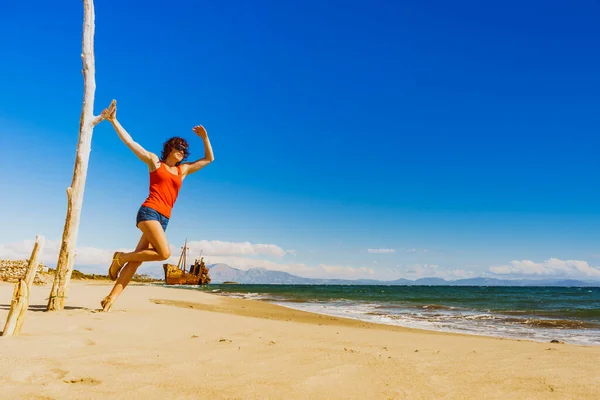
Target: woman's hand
[[200, 131], [110, 113], [190, 168]]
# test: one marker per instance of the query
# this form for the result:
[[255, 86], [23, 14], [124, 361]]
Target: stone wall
[[13, 270]]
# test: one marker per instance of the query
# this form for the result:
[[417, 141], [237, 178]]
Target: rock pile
[[13, 270]]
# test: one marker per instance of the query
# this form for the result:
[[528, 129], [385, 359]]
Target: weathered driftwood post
[[20, 299], [66, 257]]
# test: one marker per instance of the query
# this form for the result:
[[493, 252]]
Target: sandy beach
[[182, 344]]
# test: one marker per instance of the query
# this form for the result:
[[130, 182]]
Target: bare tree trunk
[[20, 300], [66, 257]]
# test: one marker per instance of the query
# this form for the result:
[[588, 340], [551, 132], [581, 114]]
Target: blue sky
[[460, 135]]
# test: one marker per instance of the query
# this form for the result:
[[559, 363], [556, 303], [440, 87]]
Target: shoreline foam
[[445, 319]]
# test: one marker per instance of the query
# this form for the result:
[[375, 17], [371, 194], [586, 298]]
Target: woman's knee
[[164, 254]]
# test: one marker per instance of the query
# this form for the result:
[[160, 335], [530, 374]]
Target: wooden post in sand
[[20, 299], [66, 257]]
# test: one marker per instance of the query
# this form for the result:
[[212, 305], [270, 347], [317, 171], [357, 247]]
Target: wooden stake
[[87, 121], [20, 300]]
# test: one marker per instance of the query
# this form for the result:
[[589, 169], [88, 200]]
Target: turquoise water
[[569, 314]]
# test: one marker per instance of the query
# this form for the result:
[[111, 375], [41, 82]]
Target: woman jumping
[[166, 176]]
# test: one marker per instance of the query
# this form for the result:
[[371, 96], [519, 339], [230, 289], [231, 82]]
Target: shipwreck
[[178, 275]]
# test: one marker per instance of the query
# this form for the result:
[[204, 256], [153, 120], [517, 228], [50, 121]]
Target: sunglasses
[[180, 148]]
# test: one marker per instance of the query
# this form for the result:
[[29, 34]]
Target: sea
[[567, 314]]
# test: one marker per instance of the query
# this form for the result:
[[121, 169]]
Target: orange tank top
[[164, 189]]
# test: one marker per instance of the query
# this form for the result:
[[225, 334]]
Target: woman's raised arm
[[147, 157]]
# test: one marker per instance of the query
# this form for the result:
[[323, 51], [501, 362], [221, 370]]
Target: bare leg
[[156, 237], [153, 246], [128, 271]]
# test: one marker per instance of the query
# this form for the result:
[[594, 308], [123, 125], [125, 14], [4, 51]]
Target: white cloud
[[416, 251], [84, 255], [292, 252], [237, 255], [88, 259], [219, 248], [381, 251], [347, 272], [552, 267]]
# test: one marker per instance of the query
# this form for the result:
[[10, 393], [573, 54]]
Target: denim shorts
[[150, 214]]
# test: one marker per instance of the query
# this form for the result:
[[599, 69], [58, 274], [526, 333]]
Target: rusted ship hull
[[176, 276], [173, 275]]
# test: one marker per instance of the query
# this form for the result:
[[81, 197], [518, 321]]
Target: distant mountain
[[486, 282], [223, 273], [430, 282], [220, 273]]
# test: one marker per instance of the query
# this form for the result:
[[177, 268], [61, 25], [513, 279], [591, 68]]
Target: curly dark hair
[[175, 143]]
